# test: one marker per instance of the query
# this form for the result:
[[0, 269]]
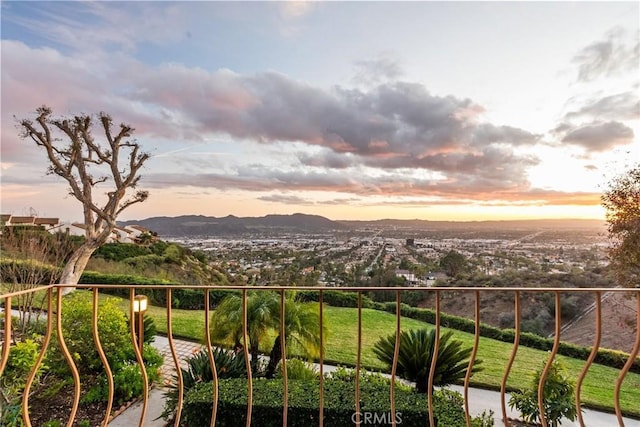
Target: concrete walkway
[[479, 400], [131, 416]]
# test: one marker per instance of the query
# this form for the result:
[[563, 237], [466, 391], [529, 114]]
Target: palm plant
[[301, 331], [301, 325], [262, 315], [415, 354]]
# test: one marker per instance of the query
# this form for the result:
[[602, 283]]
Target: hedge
[[336, 298], [183, 298], [303, 404], [606, 357]]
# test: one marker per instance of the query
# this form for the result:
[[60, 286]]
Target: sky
[[350, 110]]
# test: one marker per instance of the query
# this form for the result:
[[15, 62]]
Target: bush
[[558, 392], [303, 403], [22, 357], [335, 298], [115, 339], [120, 251], [298, 370], [78, 334]]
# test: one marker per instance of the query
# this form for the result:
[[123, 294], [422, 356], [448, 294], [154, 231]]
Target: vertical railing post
[[245, 344], [358, 358], [7, 334], [592, 356], [627, 366], [176, 360], [139, 357], [36, 366], [321, 409], [214, 370], [67, 355], [514, 351], [394, 364], [283, 353], [434, 362], [103, 357], [472, 359], [547, 366]]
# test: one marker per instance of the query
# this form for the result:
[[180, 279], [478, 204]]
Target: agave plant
[[415, 353], [198, 370]]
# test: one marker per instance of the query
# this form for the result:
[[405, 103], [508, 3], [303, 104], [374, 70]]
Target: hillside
[[618, 317], [203, 226], [209, 226]]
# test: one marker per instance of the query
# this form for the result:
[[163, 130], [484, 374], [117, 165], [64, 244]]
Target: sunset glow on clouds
[[348, 110]]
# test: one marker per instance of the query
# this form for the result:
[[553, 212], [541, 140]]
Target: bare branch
[[75, 155]]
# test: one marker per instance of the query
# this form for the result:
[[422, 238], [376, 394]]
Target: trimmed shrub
[[339, 404], [336, 298]]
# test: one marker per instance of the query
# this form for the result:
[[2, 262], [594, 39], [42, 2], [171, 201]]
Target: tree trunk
[[254, 359], [422, 384], [274, 358], [74, 268]]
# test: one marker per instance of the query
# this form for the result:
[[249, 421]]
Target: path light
[[140, 306]]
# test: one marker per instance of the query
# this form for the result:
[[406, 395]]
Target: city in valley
[[415, 251]]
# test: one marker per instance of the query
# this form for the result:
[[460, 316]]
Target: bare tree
[[87, 165], [622, 202]]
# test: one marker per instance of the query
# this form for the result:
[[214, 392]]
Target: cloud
[[377, 70], [285, 199], [327, 159], [614, 55], [394, 138], [295, 9], [620, 106], [95, 26], [598, 137]]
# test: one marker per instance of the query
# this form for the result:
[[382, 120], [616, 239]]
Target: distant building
[[410, 242], [408, 276], [29, 221]]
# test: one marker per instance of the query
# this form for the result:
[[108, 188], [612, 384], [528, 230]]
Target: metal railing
[[54, 297]]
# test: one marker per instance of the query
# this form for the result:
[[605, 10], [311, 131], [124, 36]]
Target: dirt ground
[[618, 325]]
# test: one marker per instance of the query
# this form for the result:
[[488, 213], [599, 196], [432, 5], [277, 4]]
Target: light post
[[140, 306]]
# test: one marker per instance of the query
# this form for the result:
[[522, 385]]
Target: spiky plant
[[198, 370], [414, 358]]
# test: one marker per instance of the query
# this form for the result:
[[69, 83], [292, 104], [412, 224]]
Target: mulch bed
[[43, 408]]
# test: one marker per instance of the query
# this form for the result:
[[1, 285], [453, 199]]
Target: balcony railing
[[54, 309]]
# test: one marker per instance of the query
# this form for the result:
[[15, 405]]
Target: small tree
[[76, 156], [622, 203], [558, 397], [453, 263], [31, 257]]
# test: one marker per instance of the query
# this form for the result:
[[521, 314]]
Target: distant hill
[[199, 225], [209, 226]]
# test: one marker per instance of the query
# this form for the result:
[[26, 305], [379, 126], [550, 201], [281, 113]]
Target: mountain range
[[209, 226]]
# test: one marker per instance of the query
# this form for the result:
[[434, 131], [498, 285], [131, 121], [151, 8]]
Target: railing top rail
[[26, 291], [357, 288]]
